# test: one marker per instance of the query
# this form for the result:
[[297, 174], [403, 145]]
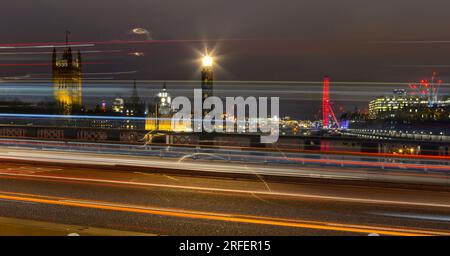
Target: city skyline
[[300, 99], [253, 118]]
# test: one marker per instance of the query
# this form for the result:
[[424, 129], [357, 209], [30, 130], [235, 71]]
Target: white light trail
[[46, 46]]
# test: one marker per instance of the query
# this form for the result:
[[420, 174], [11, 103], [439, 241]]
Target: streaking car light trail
[[73, 116], [44, 64], [44, 46], [44, 53], [90, 44]]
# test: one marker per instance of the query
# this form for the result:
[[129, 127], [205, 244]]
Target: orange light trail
[[237, 218]]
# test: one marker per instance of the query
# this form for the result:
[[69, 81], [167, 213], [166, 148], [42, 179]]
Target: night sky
[[271, 40]]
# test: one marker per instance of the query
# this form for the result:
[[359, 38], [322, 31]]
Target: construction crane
[[428, 89]]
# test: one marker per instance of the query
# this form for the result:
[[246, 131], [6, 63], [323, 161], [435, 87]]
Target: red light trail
[[87, 44]]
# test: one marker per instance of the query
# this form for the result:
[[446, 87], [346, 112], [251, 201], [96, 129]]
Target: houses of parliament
[[66, 70], [68, 96]]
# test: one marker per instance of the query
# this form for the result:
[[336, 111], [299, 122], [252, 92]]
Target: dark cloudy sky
[[350, 40]]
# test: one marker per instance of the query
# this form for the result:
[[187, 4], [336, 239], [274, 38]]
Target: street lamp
[[207, 61]]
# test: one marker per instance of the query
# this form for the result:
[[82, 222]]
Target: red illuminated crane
[[428, 89]]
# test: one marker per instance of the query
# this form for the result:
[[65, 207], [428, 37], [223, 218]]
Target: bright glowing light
[[137, 54], [207, 61], [140, 31]]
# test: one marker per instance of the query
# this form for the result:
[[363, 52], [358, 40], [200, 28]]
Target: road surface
[[158, 203]]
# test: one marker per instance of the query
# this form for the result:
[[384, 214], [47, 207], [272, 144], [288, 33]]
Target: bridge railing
[[368, 167]]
